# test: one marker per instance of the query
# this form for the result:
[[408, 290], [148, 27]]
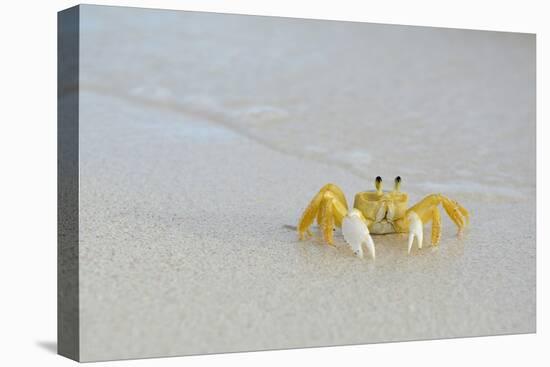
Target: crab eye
[[378, 183], [397, 183]]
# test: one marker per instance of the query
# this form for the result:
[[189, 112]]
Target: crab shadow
[[389, 247]]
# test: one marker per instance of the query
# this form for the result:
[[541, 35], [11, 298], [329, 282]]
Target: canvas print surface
[[191, 143]]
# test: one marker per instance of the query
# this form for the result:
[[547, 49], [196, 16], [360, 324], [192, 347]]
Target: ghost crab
[[378, 212]]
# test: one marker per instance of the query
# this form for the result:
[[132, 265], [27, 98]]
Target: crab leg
[[329, 206], [308, 216], [436, 226], [427, 210], [326, 217]]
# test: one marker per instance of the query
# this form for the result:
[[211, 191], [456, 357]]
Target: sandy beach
[[204, 136]]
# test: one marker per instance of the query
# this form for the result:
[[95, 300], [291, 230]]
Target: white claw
[[356, 233], [415, 230], [370, 245]]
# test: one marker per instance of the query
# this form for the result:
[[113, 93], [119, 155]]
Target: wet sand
[[203, 137]]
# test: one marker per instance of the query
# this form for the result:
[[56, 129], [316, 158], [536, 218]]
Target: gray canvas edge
[[68, 327]]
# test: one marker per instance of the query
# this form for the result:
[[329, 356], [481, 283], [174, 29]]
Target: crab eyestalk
[[397, 183], [378, 184]]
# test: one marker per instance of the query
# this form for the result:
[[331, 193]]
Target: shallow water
[[450, 107], [203, 137]]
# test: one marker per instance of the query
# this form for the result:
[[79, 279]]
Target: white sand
[[203, 137]]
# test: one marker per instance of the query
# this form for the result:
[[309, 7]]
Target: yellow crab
[[377, 212]]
